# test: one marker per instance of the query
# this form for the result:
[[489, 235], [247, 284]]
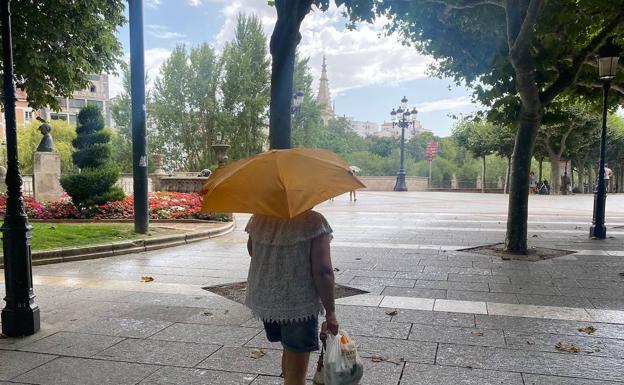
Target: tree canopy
[[57, 44]]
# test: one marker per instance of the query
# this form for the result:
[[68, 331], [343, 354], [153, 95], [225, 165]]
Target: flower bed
[[162, 205]]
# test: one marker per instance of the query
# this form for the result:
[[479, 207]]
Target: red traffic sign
[[431, 150]]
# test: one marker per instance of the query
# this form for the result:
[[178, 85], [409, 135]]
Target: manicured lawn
[[57, 235]]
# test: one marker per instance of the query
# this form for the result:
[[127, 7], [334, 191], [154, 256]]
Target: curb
[[126, 247]]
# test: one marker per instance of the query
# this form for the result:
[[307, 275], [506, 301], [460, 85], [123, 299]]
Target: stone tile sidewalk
[[461, 318]]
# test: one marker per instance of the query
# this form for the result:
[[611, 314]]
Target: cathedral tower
[[324, 99]]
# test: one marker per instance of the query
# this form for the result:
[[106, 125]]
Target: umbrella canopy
[[279, 183]]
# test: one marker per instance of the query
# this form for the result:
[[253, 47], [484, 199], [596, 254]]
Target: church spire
[[324, 98]]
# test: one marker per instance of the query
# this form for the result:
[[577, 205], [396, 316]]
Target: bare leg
[[295, 367]]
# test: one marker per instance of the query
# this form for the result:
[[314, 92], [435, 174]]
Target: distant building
[[96, 94], [387, 131], [23, 113], [364, 129], [324, 98]]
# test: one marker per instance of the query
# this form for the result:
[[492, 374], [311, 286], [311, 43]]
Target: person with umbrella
[[354, 171], [291, 277]]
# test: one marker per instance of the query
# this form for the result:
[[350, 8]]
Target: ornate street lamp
[[403, 118], [297, 102], [607, 67], [20, 316]]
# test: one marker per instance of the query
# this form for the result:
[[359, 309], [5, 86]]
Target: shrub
[[95, 183]]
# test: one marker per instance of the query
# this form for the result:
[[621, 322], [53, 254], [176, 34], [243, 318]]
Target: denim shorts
[[299, 337]]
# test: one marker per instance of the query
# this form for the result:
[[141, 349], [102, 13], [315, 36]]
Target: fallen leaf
[[622, 274], [570, 348], [535, 235], [396, 361], [207, 313], [377, 359], [147, 279], [477, 334], [392, 312], [257, 353], [358, 259], [530, 343], [336, 269], [588, 330]]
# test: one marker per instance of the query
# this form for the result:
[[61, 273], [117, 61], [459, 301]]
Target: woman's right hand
[[332, 323]]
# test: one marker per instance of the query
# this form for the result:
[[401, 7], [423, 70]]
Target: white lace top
[[280, 284]]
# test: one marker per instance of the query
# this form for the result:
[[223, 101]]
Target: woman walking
[[291, 283]]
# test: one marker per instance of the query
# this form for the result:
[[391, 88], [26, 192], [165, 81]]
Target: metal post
[[598, 229], [139, 133], [400, 182], [429, 181], [20, 316]]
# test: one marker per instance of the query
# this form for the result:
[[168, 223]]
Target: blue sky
[[368, 74]]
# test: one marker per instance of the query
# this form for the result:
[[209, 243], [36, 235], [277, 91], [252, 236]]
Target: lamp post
[[20, 316], [403, 118], [607, 67]]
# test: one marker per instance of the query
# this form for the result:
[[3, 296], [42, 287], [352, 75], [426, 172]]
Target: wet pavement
[[461, 317]]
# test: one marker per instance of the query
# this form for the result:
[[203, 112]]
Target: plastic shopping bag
[[343, 365]]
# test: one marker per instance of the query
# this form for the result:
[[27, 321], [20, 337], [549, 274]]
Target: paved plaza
[[434, 315]]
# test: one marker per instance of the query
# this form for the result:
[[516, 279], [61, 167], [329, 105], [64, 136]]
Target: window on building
[[58, 117], [76, 103], [98, 103], [28, 116], [94, 77], [72, 118], [62, 102], [93, 89]]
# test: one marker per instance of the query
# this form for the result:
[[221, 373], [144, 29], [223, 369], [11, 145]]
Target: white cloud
[[459, 103], [154, 58], [163, 32], [153, 3], [355, 59]]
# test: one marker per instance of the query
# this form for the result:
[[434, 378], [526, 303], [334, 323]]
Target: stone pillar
[[46, 177], [479, 182], [158, 173], [499, 183], [454, 182]]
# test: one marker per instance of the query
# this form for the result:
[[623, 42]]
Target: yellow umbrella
[[279, 183]]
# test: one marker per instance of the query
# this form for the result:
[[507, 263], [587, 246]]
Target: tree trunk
[[283, 47], [507, 175], [555, 176], [483, 177], [572, 174], [516, 238], [541, 168], [581, 178]]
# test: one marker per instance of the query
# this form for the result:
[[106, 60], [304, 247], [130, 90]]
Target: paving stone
[[72, 344], [160, 312], [407, 303], [451, 305], [454, 263], [455, 335], [207, 301], [81, 371], [561, 364], [601, 284], [361, 300], [552, 300], [261, 341], [426, 276], [434, 318], [159, 352], [532, 379], [615, 294], [371, 273], [122, 327], [608, 303], [525, 289], [417, 293], [14, 363], [448, 285], [482, 296], [535, 311], [418, 374], [478, 278], [226, 317], [271, 380], [546, 343], [380, 373], [394, 349], [376, 282], [207, 334], [171, 376], [360, 312], [371, 328], [239, 360], [457, 270], [536, 325]]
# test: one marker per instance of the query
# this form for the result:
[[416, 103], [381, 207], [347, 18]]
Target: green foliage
[[58, 43], [307, 124], [95, 183], [28, 139]]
